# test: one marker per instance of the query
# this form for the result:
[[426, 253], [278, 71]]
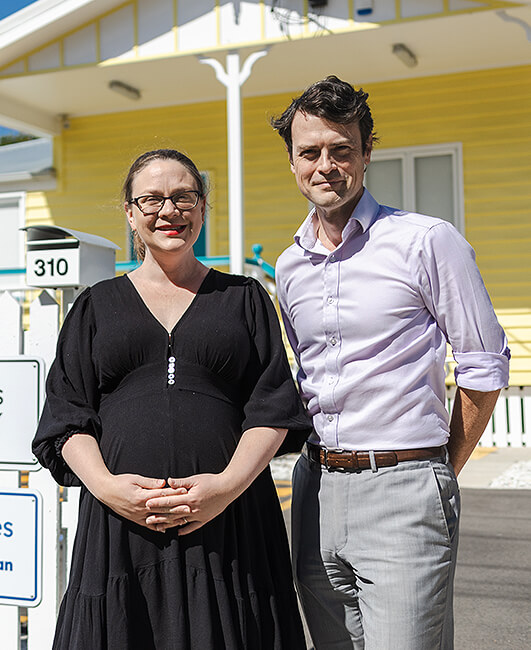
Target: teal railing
[[216, 260]]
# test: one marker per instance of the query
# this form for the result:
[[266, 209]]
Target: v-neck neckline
[[185, 312]]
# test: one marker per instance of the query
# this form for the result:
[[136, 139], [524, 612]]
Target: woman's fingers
[[149, 483], [127, 495], [161, 523], [167, 503], [182, 513]]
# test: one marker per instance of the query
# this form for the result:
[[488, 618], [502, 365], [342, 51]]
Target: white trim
[[21, 198], [17, 281], [408, 154], [39, 16]]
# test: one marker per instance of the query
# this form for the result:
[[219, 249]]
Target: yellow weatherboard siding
[[96, 153], [489, 112]]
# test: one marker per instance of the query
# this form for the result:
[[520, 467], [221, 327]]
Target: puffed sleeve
[[72, 396], [273, 399]]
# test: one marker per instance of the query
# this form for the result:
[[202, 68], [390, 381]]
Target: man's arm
[[470, 415]]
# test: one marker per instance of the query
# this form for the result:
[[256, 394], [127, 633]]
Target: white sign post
[[21, 398], [20, 547]]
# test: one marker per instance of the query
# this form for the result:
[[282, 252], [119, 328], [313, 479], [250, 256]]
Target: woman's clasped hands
[[127, 494], [189, 502]]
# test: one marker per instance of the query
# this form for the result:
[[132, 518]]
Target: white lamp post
[[233, 79]]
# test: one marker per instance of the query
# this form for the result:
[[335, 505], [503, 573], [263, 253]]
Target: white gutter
[[44, 20]]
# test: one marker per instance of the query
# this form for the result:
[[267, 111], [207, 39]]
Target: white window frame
[[14, 281], [408, 154], [21, 198]]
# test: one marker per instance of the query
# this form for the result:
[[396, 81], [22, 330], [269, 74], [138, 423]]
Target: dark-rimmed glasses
[[152, 203]]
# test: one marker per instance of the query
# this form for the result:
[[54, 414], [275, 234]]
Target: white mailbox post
[[60, 257]]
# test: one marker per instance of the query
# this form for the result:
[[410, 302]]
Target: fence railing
[[510, 424]]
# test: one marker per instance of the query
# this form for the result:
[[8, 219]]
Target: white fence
[[509, 426], [59, 505]]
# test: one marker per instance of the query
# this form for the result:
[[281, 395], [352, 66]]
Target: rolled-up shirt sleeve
[[453, 291]]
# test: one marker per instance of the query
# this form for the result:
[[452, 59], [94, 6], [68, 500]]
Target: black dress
[[228, 584]]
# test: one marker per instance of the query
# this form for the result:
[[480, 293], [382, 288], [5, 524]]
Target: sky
[[8, 7], [6, 131]]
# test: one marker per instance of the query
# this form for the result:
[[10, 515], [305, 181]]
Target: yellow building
[[452, 108]]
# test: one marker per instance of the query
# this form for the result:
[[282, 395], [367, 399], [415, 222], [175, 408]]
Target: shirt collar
[[364, 214]]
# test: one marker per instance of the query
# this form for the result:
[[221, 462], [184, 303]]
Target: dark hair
[[333, 100], [143, 161]]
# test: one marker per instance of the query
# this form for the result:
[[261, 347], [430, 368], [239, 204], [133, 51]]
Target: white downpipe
[[233, 79]]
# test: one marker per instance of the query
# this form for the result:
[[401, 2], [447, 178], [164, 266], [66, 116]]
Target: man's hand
[[205, 496], [470, 415]]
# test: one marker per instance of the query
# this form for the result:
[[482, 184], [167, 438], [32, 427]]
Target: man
[[370, 295]]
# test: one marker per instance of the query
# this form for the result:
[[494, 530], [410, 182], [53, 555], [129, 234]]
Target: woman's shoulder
[[103, 293], [106, 290], [109, 285], [232, 280]]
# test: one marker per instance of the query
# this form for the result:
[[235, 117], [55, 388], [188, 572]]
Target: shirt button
[[330, 380], [330, 418], [171, 359], [333, 341], [171, 382], [332, 258], [330, 299]]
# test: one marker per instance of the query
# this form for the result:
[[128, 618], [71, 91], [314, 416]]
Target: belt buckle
[[333, 468]]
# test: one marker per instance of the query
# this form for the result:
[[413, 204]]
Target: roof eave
[[43, 21]]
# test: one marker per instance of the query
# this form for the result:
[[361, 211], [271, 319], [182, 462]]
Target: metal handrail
[[214, 260], [258, 260]]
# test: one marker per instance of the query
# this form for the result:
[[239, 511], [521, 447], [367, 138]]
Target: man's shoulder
[[412, 228], [414, 220], [287, 258]]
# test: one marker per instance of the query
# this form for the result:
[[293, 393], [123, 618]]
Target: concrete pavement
[[493, 576], [494, 466]]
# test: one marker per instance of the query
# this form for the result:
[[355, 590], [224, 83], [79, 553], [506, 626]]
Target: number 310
[[59, 267]]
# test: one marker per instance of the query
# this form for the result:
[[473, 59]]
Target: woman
[[169, 395]]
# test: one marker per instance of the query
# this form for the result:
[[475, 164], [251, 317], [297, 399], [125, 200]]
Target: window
[[425, 179]]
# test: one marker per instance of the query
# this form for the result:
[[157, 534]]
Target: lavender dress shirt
[[369, 323]]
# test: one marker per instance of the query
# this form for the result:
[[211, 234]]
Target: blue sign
[[20, 547]]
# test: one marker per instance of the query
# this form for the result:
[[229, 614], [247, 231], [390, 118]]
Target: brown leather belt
[[341, 459]]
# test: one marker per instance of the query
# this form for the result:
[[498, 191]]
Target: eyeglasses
[[151, 203]]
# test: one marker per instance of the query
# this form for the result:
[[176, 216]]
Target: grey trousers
[[374, 554]]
